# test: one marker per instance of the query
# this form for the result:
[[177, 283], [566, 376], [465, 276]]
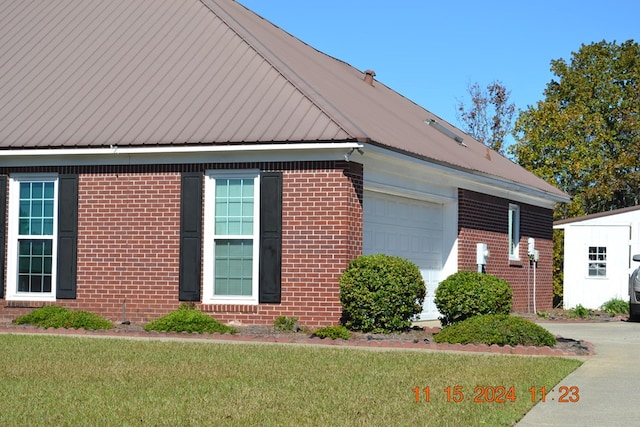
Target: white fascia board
[[179, 154], [378, 187], [479, 182]]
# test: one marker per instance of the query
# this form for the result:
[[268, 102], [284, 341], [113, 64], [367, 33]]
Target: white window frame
[[208, 270], [514, 232], [596, 261], [13, 236]]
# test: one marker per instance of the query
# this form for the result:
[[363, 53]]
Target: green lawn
[[49, 380]]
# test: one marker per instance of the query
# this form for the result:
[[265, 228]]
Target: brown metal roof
[[596, 215], [84, 73], [81, 73]]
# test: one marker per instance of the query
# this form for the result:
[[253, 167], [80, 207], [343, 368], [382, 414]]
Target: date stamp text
[[497, 394]]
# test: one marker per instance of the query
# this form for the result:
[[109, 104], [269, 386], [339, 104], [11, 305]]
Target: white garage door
[[410, 229]]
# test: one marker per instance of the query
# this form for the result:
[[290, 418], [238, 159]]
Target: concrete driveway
[[607, 383]]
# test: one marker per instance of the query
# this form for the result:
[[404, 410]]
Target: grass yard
[[50, 380]]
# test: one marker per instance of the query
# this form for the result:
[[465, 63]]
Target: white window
[[231, 243], [597, 261], [514, 232], [32, 243]]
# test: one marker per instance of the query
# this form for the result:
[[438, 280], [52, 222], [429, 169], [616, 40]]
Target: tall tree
[[584, 137], [489, 118]]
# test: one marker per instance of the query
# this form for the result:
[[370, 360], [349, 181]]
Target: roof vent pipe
[[368, 77]]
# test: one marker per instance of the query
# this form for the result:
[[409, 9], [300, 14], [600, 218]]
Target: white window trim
[[208, 272], [514, 232], [12, 239]]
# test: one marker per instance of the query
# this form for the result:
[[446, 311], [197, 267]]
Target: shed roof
[[84, 74], [607, 214]]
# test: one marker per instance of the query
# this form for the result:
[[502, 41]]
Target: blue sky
[[431, 51]]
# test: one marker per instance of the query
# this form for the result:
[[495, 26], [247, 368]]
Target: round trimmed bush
[[467, 293], [381, 293], [500, 329]]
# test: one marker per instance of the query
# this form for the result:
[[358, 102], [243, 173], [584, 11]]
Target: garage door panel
[[410, 229]]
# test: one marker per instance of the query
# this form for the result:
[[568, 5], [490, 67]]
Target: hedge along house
[[156, 152]]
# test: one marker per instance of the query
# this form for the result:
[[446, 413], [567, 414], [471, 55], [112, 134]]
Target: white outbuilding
[[598, 250]]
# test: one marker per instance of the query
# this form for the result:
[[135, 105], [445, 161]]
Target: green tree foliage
[[584, 137], [558, 268], [489, 118]]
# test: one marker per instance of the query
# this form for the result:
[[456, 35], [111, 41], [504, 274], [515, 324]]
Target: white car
[[634, 292]]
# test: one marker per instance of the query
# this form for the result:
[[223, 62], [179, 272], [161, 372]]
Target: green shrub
[[543, 314], [54, 316], [286, 323], [188, 319], [500, 329], [579, 311], [615, 306], [381, 293], [333, 332], [467, 293]]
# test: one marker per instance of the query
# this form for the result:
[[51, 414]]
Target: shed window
[[597, 261]]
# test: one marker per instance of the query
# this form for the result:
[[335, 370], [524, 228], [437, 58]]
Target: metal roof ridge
[[274, 60]]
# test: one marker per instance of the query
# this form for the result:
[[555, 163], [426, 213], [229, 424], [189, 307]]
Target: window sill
[[12, 303], [515, 263], [229, 308], [230, 301]]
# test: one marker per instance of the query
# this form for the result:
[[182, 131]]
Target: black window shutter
[[270, 237], [3, 229], [190, 236], [67, 236]]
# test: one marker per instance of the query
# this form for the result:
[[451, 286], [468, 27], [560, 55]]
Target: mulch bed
[[418, 338], [421, 338]]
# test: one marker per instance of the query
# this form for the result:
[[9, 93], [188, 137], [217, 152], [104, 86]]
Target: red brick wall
[[322, 232], [484, 219], [128, 244]]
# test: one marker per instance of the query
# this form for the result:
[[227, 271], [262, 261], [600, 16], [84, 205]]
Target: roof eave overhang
[[480, 181], [523, 189], [200, 148], [179, 153]]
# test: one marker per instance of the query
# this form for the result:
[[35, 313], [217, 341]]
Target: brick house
[[156, 152]]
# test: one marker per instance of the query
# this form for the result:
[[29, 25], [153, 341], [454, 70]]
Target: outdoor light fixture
[[450, 134]]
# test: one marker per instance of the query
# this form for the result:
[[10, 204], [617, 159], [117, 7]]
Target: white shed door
[[410, 229]]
